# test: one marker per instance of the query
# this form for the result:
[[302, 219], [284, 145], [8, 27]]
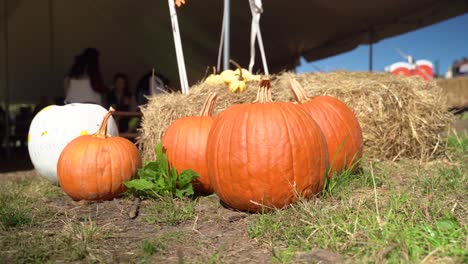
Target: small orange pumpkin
[[95, 167], [265, 154], [339, 126], [185, 144]]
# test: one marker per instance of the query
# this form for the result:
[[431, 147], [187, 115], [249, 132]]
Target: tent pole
[[6, 81], [371, 51], [227, 11]]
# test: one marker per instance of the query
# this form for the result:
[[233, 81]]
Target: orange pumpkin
[[185, 144], [339, 126], [265, 154], [94, 167]]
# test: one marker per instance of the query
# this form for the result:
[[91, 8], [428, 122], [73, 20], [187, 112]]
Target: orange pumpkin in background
[[265, 154], [185, 144], [95, 167], [339, 126]]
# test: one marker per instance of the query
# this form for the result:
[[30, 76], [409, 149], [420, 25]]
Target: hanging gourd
[[339, 126], [265, 154], [95, 167], [55, 126], [185, 144]]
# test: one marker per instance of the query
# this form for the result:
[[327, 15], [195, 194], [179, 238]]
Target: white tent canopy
[[133, 36]]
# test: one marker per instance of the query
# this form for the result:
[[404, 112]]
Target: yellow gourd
[[239, 82], [228, 76], [214, 79], [245, 73]]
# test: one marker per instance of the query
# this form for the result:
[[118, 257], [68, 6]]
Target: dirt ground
[[213, 234]]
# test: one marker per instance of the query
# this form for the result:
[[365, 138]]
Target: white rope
[[256, 8], [178, 48]]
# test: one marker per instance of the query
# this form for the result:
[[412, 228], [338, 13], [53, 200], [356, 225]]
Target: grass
[[168, 211], [457, 144], [390, 212], [19, 204]]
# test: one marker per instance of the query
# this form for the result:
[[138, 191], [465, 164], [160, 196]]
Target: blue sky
[[445, 41]]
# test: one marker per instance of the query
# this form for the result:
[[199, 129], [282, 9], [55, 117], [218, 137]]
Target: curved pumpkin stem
[[264, 91], [208, 105], [298, 91], [238, 67], [102, 132]]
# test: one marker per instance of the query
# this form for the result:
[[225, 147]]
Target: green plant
[[157, 179]]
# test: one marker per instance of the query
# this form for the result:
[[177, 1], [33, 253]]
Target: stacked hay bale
[[456, 91], [401, 117]]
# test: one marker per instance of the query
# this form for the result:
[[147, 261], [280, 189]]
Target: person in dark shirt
[[120, 98]]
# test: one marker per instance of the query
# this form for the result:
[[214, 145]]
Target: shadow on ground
[[18, 160]]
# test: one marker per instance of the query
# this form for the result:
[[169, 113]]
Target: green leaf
[[173, 178], [140, 184], [187, 191], [152, 165], [161, 158], [186, 177]]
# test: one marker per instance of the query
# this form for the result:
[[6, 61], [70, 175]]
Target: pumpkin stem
[[214, 70], [264, 91], [298, 91], [208, 105], [102, 132], [238, 67]]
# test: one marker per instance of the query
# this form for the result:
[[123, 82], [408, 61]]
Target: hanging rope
[[178, 48], [256, 8]]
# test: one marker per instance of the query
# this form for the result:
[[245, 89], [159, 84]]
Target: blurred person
[[84, 84], [121, 99], [120, 96], [145, 88]]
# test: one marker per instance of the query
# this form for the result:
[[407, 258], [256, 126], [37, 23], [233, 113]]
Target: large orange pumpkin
[[339, 126], [185, 144], [94, 167], [265, 154]]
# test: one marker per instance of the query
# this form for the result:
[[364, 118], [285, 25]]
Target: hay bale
[[401, 117], [456, 91]]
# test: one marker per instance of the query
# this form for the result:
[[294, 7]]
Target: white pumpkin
[[55, 126]]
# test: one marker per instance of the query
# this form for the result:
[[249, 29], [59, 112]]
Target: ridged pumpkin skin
[[185, 144], [94, 167], [339, 125], [265, 153]]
